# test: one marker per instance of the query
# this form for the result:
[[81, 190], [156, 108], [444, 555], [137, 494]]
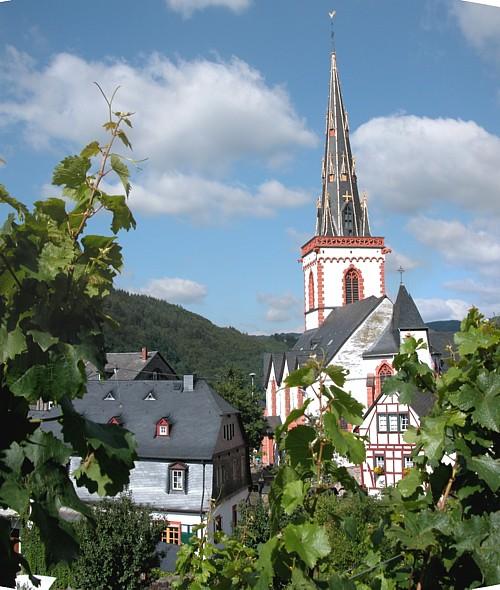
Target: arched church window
[[351, 281], [383, 373], [348, 220], [311, 290]]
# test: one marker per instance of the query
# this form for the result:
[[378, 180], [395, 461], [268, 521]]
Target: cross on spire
[[401, 270]]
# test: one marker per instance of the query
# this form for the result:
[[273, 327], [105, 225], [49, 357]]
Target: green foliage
[[190, 342], [350, 521], [33, 550], [118, 552], [53, 279], [235, 387], [440, 526], [253, 524]]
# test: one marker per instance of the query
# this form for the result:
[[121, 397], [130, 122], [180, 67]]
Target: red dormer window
[[115, 420], [163, 427]]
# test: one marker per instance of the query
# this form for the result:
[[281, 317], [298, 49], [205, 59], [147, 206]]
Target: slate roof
[[340, 324], [405, 316], [126, 366], [195, 416]]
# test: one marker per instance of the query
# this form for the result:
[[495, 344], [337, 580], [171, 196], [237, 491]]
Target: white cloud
[[442, 309], [187, 7], [280, 308], [480, 25], [459, 244], [485, 291], [175, 290], [395, 260], [201, 115], [211, 201], [193, 121], [410, 163]]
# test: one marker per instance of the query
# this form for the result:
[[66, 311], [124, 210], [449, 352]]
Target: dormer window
[[109, 397], [115, 420], [163, 427], [150, 397]]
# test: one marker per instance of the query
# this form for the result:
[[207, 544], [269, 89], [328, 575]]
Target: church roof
[[405, 316], [340, 211], [337, 328]]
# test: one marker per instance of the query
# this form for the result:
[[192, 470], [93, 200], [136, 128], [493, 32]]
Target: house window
[[156, 375], [351, 284], [408, 462], [228, 431], [177, 480], [382, 422], [234, 513], [218, 523], [393, 423], [171, 534], [115, 420], [380, 461], [162, 427], [404, 422]]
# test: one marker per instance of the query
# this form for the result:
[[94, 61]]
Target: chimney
[[188, 382], [144, 353]]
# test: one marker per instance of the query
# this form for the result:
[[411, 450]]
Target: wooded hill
[[190, 342]]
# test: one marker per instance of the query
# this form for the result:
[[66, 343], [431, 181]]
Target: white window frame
[[380, 418], [406, 417], [379, 461], [177, 480], [407, 462], [393, 422], [163, 430]]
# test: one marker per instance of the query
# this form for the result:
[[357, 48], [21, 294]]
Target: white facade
[[325, 262]]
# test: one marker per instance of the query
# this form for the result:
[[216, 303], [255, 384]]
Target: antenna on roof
[[332, 14]]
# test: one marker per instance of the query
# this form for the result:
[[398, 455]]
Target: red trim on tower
[[273, 398], [321, 294], [287, 401], [382, 278], [311, 290], [341, 242]]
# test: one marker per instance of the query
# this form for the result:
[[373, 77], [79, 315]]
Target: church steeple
[[342, 263], [340, 210]]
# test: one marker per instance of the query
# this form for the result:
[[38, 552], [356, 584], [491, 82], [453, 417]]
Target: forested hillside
[[190, 342]]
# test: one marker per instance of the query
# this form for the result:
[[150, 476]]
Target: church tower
[[343, 262]]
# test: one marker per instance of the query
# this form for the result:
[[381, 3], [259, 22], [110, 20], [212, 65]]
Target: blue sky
[[230, 98]]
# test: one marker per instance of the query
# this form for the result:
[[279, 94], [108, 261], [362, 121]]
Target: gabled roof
[[340, 211], [421, 404], [125, 366], [194, 416], [340, 324]]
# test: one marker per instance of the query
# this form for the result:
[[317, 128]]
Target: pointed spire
[[405, 314], [340, 211]]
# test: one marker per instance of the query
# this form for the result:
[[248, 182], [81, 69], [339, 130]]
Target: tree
[[53, 279], [253, 524], [119, 551], [234, 386], [443, 517]]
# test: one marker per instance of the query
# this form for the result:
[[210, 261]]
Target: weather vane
[[401, 270], [332, 14]]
